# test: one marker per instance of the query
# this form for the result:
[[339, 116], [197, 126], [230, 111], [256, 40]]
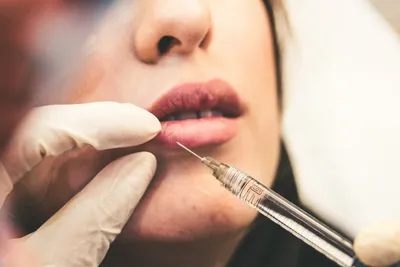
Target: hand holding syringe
[[283, 212]]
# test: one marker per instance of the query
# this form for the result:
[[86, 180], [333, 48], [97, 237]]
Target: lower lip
[[197, 132]]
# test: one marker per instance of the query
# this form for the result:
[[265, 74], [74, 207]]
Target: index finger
[[53, 130]]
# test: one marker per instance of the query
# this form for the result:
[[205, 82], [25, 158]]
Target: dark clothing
[[269, 245]]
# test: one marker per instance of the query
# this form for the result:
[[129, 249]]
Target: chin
[[186, 205]]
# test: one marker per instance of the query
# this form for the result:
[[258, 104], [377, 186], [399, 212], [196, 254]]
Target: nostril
[[206, 40], [166, 43]]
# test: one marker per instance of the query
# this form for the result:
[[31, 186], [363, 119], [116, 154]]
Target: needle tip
[[190, 151]]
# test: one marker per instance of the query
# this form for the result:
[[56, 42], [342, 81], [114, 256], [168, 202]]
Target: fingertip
[[379, 244], [145, 160], [148, 120], [145, 166]]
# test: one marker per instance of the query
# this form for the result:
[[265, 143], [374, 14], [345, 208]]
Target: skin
[[185, 218], [15, 66], [17, 87]]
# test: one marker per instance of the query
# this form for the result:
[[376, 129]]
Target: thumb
[[379, 244], [79, 235]]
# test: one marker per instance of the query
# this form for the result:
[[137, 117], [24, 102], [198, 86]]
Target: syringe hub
[[211, 163]]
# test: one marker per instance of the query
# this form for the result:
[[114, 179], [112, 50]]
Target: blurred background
[[390, 9], [341, 65]]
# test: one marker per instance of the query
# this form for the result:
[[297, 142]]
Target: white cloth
[[341, 110]]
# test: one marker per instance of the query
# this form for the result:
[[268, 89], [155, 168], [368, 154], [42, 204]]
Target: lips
[[198, 114]]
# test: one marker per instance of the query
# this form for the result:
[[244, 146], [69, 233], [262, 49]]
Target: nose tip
[[172, 30]]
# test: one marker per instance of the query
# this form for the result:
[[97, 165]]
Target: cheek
[[250, 61], [244, 29], [108, 52], [94, 77]]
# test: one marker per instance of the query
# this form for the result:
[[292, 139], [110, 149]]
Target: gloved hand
[[80, 234], [378, 244]]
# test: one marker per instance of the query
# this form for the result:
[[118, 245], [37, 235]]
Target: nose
[[167, 27]]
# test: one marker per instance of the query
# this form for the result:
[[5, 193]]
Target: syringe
[[283, 212]]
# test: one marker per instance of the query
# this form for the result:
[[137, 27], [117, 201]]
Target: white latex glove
[[80, 234], [378, 245]]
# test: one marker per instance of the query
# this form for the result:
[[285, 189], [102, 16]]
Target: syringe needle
[[190, 151]]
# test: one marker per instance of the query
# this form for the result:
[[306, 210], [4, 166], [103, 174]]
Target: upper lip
[[215, 94]]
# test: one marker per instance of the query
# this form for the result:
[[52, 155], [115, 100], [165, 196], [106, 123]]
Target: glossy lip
[[215, 94]]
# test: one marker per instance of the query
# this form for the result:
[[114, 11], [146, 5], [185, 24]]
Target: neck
[[211, 252]]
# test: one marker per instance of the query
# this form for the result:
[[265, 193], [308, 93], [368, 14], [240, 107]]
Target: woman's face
[[180, 59]]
